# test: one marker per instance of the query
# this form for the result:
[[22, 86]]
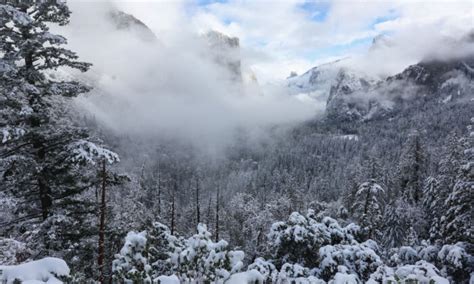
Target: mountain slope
[[428, 81]]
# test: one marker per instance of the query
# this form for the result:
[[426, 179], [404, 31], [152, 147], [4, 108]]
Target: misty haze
[[237, 141]]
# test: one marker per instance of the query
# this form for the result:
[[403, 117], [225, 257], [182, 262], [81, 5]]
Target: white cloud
[[285, 31], [173, 89]]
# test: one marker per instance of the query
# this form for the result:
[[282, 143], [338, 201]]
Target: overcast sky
[[285, 35]]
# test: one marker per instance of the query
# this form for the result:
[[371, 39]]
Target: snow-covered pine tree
[[436, 189], [350, 192], [106, 178], [368, 208], [412, 168], [131, 265], [457, 223], [203, 261], [45, 159], [395, 225], [161, 245]]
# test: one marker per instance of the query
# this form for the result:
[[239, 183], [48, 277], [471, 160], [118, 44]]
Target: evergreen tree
[[436, 189], [203, 261], [412, 168], [395, 225], [457, 223], [368, 208], [131, 264], [46, 161]]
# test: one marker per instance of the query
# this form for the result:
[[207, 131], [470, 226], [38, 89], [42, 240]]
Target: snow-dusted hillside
[[439, 82]]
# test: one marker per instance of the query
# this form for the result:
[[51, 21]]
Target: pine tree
[[46, 161], [457, 223], [131, 264], [436, 189], [203, 261], [395, 225], [433, 205], [368, 207], [412, 169], [106, 179], [349, 196]]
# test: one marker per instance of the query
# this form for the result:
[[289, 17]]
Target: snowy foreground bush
[[46, 270], [304, 249]]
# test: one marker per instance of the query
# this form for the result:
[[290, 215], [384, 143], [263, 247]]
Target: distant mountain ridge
[[428, 81]]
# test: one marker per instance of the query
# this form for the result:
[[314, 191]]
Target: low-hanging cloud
[[171, 87]]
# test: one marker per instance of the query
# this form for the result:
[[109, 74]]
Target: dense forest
[[360, 194]]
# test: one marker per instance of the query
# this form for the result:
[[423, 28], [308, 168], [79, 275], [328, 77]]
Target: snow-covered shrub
[[295, 273], [265, 268], [46, 270], [164, 279], [203, 260], [359, 259], [250, 276], [13, 252], [403, 255], [421, 272], [131, 264], [343, 277], [298, 240], [456, 262], [161, 245], [383, 273], [428, 253], [292, 271], [146, 255]]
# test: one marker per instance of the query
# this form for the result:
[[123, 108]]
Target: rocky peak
[[124, 21], [226, 51]]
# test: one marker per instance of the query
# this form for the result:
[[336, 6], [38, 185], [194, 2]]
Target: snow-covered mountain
[[351, 95], [317, 81], [434, 81], [324, 84]]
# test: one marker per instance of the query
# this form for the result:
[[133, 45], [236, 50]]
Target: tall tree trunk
[[45, 198], [43, 188], [159, 194], [217, 214], [198, 209], [101, 257], [209, 212], [173, 206]]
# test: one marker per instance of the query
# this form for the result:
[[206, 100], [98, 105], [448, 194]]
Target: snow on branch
[[18, 17], [9, 133], [87, 152]]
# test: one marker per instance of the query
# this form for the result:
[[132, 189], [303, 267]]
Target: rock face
[[124, 21], [226, 52], [341, 104]]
